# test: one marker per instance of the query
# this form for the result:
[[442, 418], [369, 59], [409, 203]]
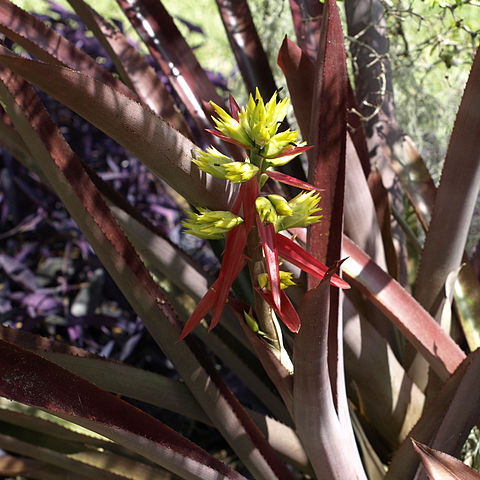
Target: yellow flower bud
[[279, 143], [210, 224], [251, 322], [212, 162], [265, 210], [230, 127], [281, 205], [304, 206], [285, 280], [238, 172]]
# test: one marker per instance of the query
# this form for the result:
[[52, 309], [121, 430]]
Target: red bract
[[227, 139], [293, 151], [232, 264], [234, 108], [287, 313], [287, 179], [203, 307], [295, 254], [267, 239]]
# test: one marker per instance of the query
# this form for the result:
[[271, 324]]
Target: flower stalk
[[252, 226]]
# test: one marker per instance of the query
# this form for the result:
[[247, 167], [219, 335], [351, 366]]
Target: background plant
[[384, 328]]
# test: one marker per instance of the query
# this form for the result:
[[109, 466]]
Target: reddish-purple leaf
[[327, 158], [287, 313], [268, 241], [132, 67], [246, 46], [299, 72], [174, 56], [234, 108], [443, 354], [48, 46], [162, 149], [441, 466], [294, 182], [306, 15], [295, 254], [30, 379]]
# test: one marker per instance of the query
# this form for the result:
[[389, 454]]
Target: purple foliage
[[51, 281]]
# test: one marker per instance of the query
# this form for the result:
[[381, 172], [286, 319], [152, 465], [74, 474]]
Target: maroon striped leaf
[[132, 67], [32, 380], [175, 57], [328, 135], [166, 152], [47, 45], [246, 46]]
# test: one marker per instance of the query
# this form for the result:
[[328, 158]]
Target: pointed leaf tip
[[441, 466], [203, 307], [234, 108], [295, 254]]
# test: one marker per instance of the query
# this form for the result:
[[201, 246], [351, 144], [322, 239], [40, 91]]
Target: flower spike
[[254, 127]]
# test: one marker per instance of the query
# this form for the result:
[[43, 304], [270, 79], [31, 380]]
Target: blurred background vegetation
[[432, 43]]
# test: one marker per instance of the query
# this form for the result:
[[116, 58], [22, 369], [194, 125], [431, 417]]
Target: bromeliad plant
[[263, 216], [368, 368]]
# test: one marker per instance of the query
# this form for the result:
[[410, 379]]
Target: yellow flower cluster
[[255, 127]]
